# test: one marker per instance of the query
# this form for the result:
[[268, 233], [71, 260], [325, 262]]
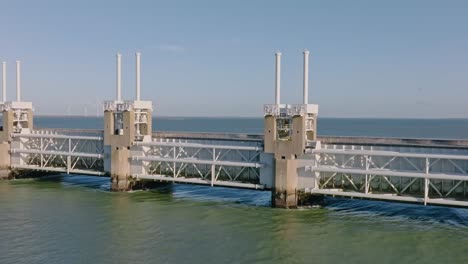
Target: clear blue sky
[[216, 58]]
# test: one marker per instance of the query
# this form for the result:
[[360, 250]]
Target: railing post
[[316, 173], [69, 156], [366, 189], [42, 149], [426, 182], [213, 168], [174, 156]]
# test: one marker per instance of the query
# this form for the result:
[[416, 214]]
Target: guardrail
[[49, 151], [390, 175], [210, 162]]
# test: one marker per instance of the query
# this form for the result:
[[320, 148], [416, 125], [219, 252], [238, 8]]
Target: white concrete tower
[[125, 121], [17, 115], [289, 129]]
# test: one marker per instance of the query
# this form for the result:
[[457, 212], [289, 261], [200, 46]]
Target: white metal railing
[[289, 109], [271, 109], [430, 178], [58, 153], [235, 165], [198, 145], [58, 136], [121, 106], [297, 109]]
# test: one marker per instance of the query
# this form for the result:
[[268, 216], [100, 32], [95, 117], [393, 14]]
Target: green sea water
[[75, 219]]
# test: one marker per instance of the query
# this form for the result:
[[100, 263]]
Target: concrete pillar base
[[120, 184], [128, 184], [283, 199], [5, 174], [284, 193], [120, 171]]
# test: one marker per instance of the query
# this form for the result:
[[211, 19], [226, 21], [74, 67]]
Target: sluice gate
[[289, 159]]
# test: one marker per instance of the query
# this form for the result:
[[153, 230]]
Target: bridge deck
[[411, 170]]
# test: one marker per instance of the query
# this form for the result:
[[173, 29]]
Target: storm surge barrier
[[288, 159]]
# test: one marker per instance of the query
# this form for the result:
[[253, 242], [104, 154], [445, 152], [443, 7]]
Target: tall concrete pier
[[125, 122], [17, 117], [287, 130]]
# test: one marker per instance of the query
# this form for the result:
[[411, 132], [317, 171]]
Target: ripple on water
[[76, 220]]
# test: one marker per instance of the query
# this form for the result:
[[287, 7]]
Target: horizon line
[[254, 117]]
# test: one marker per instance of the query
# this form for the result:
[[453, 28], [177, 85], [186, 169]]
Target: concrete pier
[[125, 122], [288, 129], [17, 117]]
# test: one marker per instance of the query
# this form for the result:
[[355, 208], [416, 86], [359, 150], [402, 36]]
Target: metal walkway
[[420, 174], [233, 163], [208, 162], [408, 174], [67, 153]]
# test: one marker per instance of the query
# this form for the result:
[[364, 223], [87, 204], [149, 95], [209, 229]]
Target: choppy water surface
[[75, 219]]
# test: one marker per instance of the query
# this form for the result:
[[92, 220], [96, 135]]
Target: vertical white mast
[[119, 77], [306, 77], [138, 76], [278, 78], [4, 81], [18, 81]]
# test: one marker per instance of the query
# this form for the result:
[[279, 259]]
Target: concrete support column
[[121, 131], [117, 143], [5, 145], [284, 193], [5, 160], [299, 134], [290, 157], [16, 117], [120, 169], [269, 134]]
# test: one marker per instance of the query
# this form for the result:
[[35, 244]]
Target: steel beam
[[198, 145], [197, 161], [199, 181]]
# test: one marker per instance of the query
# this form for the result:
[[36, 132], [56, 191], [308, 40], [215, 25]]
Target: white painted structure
[[306, 78], [141, 108], [410, 174], [284, 113], [18, 81], [64, 151], [119, 77], [4, 81], [138, 60], [278, 79], [22, 111], [208, 162]]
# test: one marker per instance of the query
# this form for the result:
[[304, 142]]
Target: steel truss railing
[[58, 153], [200, 163], [429, 178]]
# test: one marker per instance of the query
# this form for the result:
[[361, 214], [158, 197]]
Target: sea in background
[[400, 128], [75, 219]]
